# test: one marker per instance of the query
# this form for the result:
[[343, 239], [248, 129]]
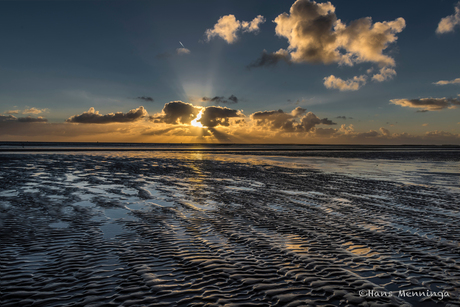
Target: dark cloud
[[385, 132], [428, 104], [233, 99], [93, 117], [150, 99], [176, 112], [341, 117], [289, 122], [221, 99], [28, 119], [218, 116], [269, 59], [4, 118], [310, 120]]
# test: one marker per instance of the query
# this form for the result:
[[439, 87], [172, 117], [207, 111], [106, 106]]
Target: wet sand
[[204, 229]]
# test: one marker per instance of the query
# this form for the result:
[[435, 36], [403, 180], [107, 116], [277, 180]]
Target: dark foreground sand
[[200, 230]]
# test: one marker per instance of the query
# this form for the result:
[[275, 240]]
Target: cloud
[[315, 35], [220, 99], [233, 99], [34, 111], [176, 112], [4, 118], [28, 119], [93, 117], [270, 59], [182, 51], [445, 82], [227, 28], [179, 113], [214, 116], [145, 98], [428, 104], [299, 111], [252, 26], [12, 112], [385, 132], [345, 85], [27, 111], [386, 73], [289, 122], [447, 24]]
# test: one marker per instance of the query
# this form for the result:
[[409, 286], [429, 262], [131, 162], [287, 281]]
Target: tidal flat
[[194, 228]]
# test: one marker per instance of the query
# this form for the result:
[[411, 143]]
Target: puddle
[[31, 190], [239, 188], [59, 225], [85, 204], [110, 230], [118, 213]]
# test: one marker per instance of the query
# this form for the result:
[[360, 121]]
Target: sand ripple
[[81, 230]]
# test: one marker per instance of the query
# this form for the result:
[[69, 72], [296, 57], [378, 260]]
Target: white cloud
[[316, 35], [12, 112], [182, 51], [345, 85], [447, 24], [445, 82], [252, 26], [386, 73], [34, 111], [428, 104], [227, 27]]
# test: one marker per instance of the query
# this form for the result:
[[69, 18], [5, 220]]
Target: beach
[[230, 227]]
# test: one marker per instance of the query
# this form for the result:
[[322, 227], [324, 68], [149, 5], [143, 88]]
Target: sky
[[259, 71]]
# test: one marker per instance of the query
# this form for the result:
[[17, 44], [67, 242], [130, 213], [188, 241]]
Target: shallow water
[[196, 229]]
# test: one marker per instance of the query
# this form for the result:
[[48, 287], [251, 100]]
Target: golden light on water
[[195, 122]]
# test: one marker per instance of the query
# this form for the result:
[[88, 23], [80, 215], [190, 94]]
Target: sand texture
[[199, 230]]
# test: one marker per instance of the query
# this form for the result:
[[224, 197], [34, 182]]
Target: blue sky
[[61, 58]]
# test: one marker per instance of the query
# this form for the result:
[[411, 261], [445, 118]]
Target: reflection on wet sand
[[193, 229]]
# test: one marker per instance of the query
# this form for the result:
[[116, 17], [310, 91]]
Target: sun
[[195, 122]]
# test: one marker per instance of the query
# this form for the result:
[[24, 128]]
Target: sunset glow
[[196, 122], [300, 71]]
